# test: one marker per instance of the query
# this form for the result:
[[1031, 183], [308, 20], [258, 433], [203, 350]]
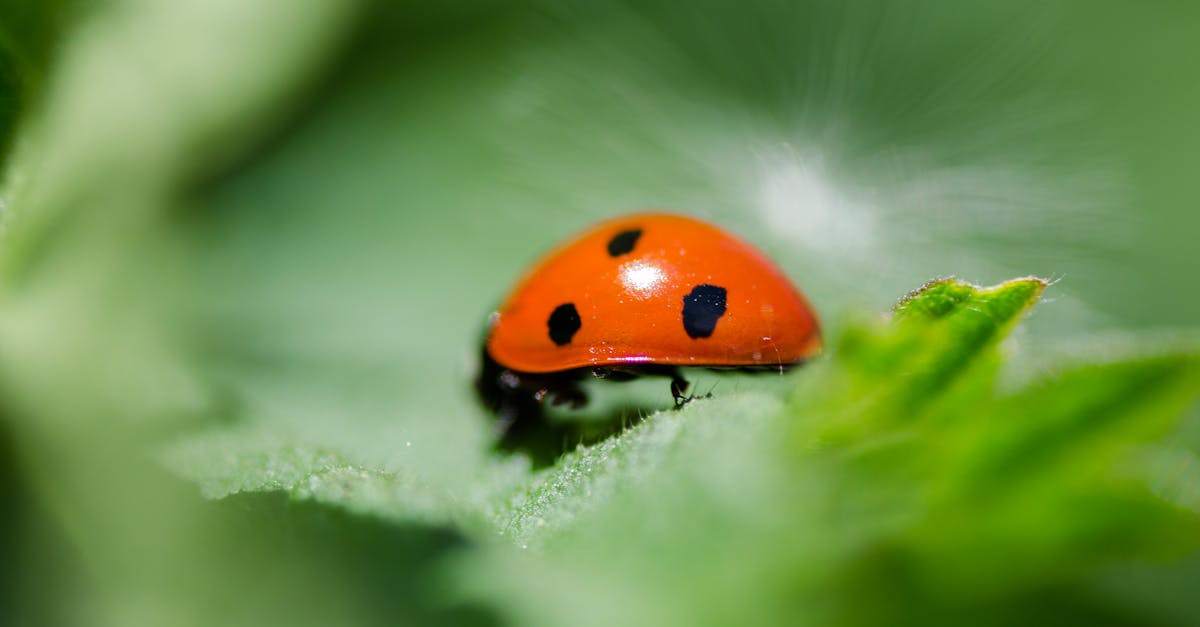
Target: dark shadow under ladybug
[[519, 402]]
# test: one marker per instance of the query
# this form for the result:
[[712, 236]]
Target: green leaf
[[29, 35], [888, 372], [898, 477], [912, 493]]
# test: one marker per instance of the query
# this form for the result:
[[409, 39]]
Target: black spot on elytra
[[702, 307], [623, 242], [563, 323]]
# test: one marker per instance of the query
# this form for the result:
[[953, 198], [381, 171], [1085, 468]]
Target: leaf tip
[[939, 296]]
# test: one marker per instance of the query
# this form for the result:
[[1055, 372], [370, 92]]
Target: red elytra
[[644, 294]]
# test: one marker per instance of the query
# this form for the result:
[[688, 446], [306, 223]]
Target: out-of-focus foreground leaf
[[93, 361], [30, 32]]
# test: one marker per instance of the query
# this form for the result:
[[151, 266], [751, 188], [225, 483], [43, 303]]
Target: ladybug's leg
[[679, 386]]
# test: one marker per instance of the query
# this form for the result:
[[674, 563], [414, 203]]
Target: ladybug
[[640, 295]]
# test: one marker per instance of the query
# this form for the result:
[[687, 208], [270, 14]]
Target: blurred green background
[[248, 251]]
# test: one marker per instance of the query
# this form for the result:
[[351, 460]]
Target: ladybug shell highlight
[[653, 289]]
